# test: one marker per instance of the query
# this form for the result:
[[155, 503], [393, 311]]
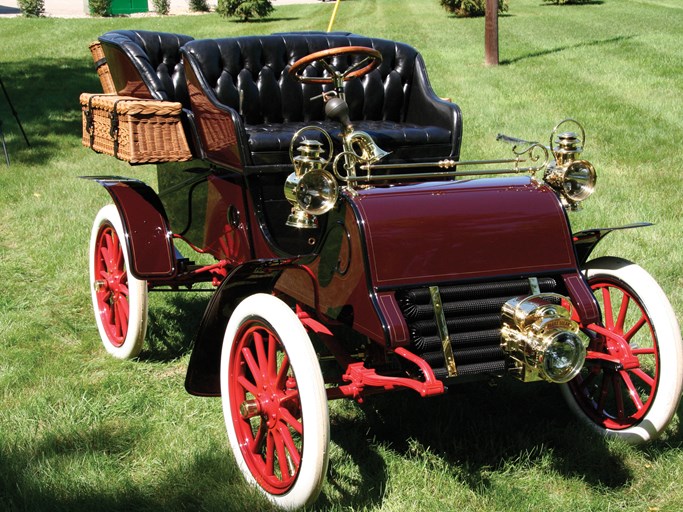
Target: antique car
[[352, 251]]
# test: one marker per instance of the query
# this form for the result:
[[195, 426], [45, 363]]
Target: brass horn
[[368, 151]]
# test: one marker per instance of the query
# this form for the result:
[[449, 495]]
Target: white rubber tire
[[271, 312], [667, 334], [128, 342]]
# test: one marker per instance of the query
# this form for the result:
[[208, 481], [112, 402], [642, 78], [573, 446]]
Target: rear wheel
[[119, 299], [631, 383], [274, 402]]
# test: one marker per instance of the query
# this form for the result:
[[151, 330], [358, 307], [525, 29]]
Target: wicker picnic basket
[[136, 130], [102, 68]]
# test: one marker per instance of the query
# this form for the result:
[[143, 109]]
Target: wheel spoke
[[105, 256], [632, 391], [260, 351], [247, 385], [282, 374], [622, 312], [253, 367], [585, 382], [116, 251], [109, 314], [618, 396], [289, 418], [650, 381], [272, 360], [292, 449], [641, 321], [604, 389], [257, 444], [607, 303], [281, 453], [644, 351], [270, 454], [123, 289], [103, 296], [122, 317]]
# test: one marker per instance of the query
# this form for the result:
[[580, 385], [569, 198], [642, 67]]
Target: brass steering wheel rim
[[374, 55]]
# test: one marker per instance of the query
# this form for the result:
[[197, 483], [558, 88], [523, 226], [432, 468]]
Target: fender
[[145, 224], [585, 241], [203, 371]]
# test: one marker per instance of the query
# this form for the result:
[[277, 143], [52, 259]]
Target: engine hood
[[447, 231]]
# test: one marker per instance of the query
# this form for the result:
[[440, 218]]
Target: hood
[[455, 230]]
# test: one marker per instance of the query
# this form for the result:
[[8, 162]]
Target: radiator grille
[[473, 319]]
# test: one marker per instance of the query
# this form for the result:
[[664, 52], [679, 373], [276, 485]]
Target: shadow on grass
[[477, 429], [575, 4], [673, 441], [44, 94], [9, 10], [263, 20], [361, 490], [96, 469], [173, 322], [583, 44]]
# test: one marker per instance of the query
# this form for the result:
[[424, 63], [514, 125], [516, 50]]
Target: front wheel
[[274, 402], [631, 383], [119, 299]]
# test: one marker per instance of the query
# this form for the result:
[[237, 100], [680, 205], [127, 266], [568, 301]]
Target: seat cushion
[[269, 143]]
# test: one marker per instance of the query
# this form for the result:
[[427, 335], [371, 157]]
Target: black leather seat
[[247, 107], [147, 64]]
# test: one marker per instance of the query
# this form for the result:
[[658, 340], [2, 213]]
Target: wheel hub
[[618, 347]]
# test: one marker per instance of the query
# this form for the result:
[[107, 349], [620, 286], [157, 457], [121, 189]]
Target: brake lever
[[513, 140], [326, 96]]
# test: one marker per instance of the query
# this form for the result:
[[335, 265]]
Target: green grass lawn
[[81, 431]]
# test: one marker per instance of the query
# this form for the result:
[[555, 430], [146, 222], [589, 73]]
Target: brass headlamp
[[574, 179], [310, 188], [541, 339]]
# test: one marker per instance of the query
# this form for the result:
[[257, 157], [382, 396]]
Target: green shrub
[[100, 7], [244, 9], [470, 8], [32, 8], [162, 6], [199, 6]]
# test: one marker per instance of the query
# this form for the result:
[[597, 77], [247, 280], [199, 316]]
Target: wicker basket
[[136, 130], [102, 68]]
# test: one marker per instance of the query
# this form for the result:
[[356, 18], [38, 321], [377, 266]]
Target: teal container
[[128, 6]]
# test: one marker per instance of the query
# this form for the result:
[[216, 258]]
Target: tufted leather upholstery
[[147, 64], [242, 83]]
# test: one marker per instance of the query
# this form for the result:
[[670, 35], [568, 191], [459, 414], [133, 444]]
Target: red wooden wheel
[[266, 408], [112, 285], [119, 300], [274, 402], [631, 382]]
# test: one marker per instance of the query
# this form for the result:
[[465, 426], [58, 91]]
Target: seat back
[[250, 75], [147, 64]]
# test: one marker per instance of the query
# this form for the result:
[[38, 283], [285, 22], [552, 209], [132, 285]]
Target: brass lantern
[[310, 189], [572, 177]]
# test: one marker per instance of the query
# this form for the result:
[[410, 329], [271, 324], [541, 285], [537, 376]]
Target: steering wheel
[[372, 59]]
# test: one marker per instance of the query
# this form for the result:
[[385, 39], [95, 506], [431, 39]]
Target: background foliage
[[244, 9], [80, 431], [470, 8], [199, 6], [100, 7], [32, 8], [162, 6]]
